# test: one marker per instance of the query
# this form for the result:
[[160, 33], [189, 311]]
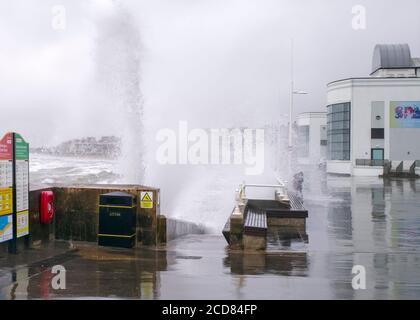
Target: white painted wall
[[315, 120], [395, 73], [339, 92], [367, 171], [339, 167]]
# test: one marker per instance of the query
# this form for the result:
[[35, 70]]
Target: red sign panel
[[6, 150]]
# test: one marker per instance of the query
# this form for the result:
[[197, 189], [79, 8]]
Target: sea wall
[[77, 217]]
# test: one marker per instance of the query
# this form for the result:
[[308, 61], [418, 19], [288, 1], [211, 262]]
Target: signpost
[[14, 189], [22, 186], [6, 188]]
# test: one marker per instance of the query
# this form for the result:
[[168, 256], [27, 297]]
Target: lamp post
[[292, 93], [290, 146]]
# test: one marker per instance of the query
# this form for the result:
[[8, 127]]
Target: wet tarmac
[[365, 222]]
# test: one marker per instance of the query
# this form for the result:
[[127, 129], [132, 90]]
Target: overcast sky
[[214, 63]]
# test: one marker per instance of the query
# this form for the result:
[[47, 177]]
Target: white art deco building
[[377, 118]]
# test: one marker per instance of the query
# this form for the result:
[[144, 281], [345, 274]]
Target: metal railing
[[378, 163], [370, 163]]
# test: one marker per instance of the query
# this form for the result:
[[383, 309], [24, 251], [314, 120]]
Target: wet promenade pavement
[[351, 222]]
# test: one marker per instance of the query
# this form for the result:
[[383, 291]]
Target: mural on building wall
[[405, 114]]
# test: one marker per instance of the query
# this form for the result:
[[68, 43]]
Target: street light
[[292, 93], [299, 92]]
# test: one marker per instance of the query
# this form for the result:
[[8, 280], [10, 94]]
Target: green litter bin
[[117, 220]]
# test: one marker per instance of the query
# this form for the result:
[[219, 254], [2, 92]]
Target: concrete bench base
[[254, 242], [299, 223]]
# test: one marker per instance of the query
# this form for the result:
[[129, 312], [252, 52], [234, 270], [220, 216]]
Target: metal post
[[13, 242], [289, 149], [292, 93], [291, 97]]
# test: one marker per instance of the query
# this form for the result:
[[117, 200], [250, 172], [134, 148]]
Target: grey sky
[[214, 63]]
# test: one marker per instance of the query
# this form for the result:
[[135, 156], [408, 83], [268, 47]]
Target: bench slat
[[255, 222]]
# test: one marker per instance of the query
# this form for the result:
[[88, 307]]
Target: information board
[[6, 228], [14, 188], [22, 185], [6, 188]]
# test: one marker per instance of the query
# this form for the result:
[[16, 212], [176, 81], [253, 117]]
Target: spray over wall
[[117, 81]]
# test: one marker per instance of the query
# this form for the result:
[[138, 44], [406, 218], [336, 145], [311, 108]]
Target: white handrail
[[281, 190], [264, 186]]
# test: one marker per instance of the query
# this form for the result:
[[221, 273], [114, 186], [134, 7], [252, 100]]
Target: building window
[[303, 142], [377, 133], [324, 142], [338, 131]]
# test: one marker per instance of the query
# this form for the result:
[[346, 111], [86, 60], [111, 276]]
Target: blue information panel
[[6, 228]]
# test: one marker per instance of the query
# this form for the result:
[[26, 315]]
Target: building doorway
[[377, 154]]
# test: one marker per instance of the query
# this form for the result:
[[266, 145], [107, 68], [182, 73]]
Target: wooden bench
[[287, 219], [226, 230], [296, 210], [255, 222], [255, 229]]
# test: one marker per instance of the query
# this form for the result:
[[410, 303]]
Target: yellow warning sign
[[146, 199], [6, 201]]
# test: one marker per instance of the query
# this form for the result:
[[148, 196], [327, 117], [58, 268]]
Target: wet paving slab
[[364, 222]]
